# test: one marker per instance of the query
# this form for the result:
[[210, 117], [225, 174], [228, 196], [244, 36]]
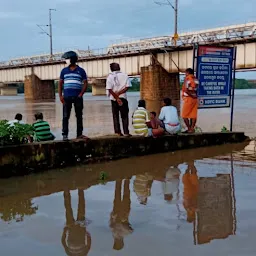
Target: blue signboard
[[214, 72]]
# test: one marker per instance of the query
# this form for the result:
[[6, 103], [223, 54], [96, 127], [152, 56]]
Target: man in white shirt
[[169, 116], [171, 183], [117, 85]]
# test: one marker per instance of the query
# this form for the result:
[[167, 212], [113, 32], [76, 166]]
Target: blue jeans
[[67, 106]]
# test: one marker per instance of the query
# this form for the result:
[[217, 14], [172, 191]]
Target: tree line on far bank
[[239, 84]]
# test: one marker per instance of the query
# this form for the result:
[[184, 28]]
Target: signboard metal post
[[233, 91]]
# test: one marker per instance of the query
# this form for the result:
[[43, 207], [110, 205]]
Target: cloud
[[97, 23], [95, 42], [68, 1], [10, 15], [79, 19]]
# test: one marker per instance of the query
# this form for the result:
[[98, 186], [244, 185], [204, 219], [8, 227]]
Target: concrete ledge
[[30, 158], [85, 176]]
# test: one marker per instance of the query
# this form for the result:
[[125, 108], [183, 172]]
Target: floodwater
[[98, 116], [195, 202]]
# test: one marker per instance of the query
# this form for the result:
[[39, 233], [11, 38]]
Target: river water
[[98, 116], [196, 202]]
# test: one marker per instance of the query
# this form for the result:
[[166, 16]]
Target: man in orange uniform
[[190, 102]]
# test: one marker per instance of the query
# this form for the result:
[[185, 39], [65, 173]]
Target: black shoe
[[65, 138], [82, 137]]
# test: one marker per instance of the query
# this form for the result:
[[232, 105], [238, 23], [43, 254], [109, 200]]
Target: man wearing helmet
[[72, 86]]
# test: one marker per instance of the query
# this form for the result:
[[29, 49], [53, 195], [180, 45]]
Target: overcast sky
[[97, 23]]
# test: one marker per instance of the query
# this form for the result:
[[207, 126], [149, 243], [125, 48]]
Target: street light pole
[[50, 30], [175, 8], [176, 22]]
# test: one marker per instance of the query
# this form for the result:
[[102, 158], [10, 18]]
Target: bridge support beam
[[36, 89], [156, 84], [99, 87]]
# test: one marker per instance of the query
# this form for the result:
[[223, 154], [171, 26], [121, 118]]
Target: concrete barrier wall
[[85, 176], [30, 158]]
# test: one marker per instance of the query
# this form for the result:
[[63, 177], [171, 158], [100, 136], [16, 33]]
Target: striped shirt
[[142, 186], [73, 81], [139, 120], [42, 131]]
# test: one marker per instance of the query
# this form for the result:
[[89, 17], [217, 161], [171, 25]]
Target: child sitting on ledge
[[157, 125]]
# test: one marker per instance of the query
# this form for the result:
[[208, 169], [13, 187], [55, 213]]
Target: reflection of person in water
[[119, 218], [142, 187], [191, 187], [75, 239], [171, 183]]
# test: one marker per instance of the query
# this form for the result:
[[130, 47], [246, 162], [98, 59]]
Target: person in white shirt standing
[[117, 85], [169, 116]]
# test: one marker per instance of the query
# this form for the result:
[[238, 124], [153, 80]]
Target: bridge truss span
[[209, 36], [229, 34]]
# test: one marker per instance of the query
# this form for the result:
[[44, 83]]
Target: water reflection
[[171, 184], [16, 209], [76, 240], [215, 217], [142, 187], [119, 217], [190, 194], [177, 185]]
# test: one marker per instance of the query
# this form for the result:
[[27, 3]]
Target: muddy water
[[98, 117], [199, 202]]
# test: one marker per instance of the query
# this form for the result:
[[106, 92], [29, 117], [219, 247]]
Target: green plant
[[103, 177], [198, 129], [224, 129], [14, 134]]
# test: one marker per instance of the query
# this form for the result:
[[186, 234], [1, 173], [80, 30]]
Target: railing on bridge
[[223, 34]]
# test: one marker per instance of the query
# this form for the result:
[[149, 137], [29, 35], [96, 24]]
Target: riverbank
[[36, 157]]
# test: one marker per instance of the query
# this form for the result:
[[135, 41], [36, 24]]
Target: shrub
[[14, 134]]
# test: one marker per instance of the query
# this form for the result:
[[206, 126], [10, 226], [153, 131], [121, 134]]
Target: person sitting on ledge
[[141, 121], [169, 116], [157, 125], [42, 129], [17, 119]]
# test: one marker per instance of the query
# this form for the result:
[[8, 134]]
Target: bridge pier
[[6, 90], [157, 84], [36, 89], [99, 87]]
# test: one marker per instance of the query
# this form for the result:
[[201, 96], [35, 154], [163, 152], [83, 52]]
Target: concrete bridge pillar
[[36, 89], [99, 87], [8, 90], [157, 84]]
